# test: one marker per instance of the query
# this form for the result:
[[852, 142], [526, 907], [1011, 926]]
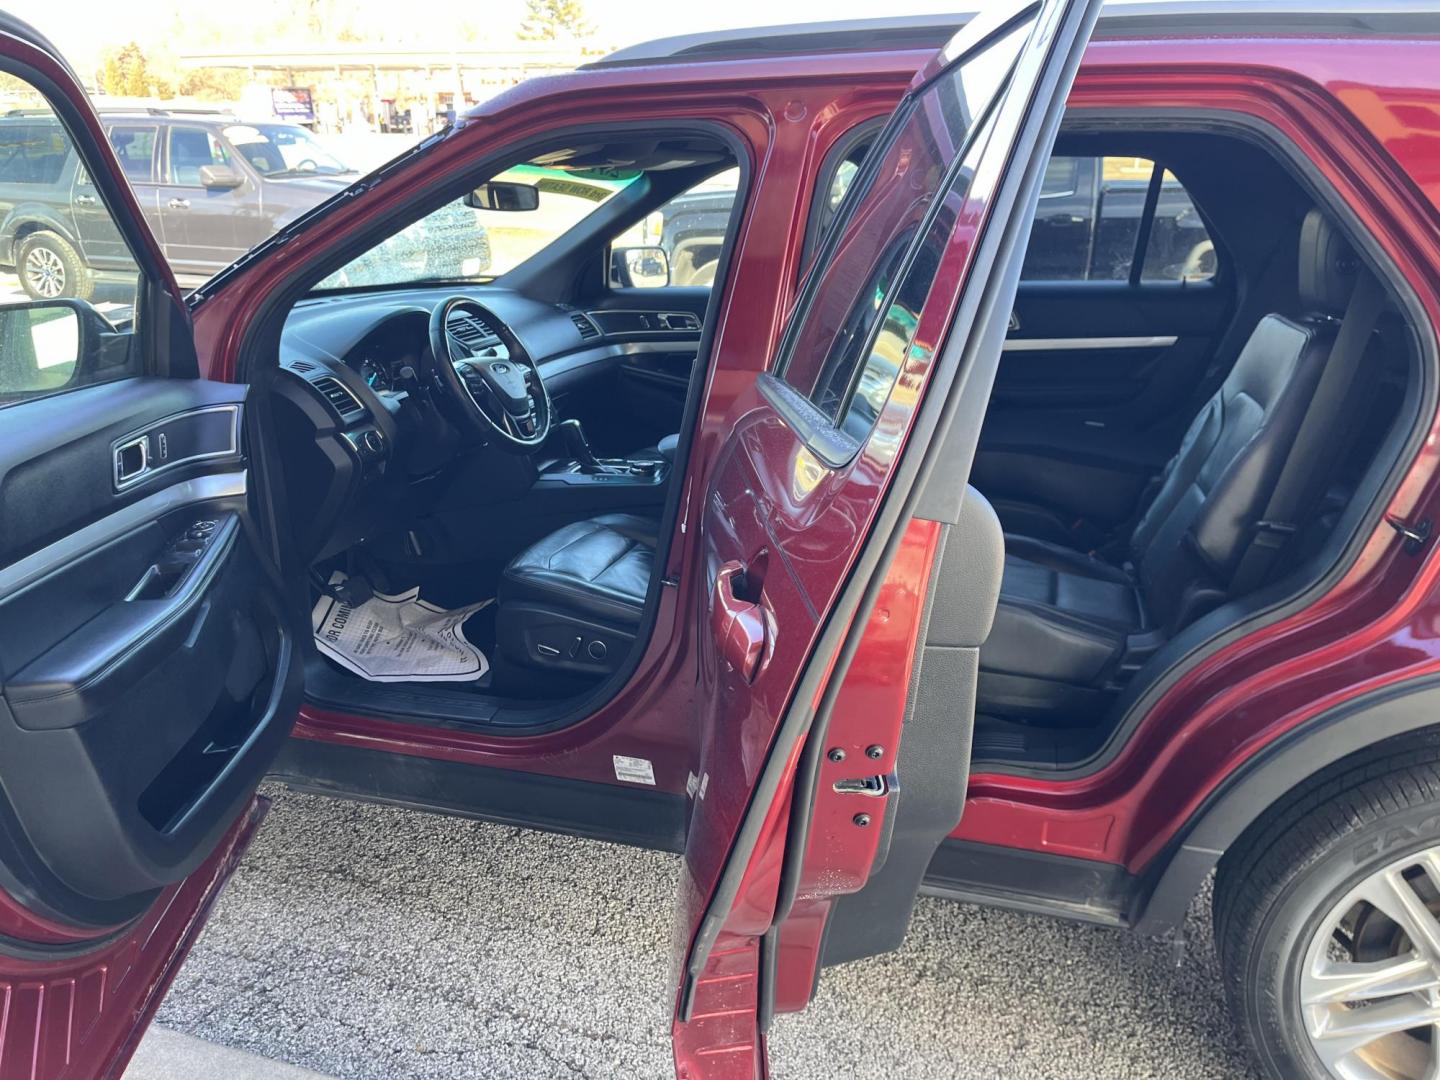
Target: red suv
[[1122, 547]]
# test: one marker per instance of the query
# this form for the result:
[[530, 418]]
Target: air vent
[[344, 402], [300, 365], [470, 331], [587, 328]]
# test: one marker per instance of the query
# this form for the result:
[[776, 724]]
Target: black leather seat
[[1071, 627], [572, 601]]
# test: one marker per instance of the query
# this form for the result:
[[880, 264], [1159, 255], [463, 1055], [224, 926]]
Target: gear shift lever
[[577, 446]]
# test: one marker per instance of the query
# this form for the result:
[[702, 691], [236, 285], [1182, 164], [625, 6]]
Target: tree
[[549, 20], [127, 73]]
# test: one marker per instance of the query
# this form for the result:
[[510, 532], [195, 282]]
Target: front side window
[[680, 243], [76, 274], [860, 305], [283, 150], [1092, 213], [191, 149], [462, 241]]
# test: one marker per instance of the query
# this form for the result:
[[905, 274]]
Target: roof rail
[[1148, 18], [167, 110]]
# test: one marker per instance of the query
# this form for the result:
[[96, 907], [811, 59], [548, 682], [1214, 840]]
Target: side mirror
[[220, 177], [503, 195], [45, 344], [640, 267]]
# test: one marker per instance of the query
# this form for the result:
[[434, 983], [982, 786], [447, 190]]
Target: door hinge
[[1415, 535]]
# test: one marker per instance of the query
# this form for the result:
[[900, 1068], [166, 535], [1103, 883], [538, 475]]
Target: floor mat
[[398, 638]]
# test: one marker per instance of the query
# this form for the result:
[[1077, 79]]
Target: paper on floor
[[398, 638]]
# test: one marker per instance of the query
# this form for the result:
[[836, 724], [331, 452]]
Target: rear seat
[[1071, 627]]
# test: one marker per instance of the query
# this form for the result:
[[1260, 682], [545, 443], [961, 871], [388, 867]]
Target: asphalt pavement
[[366, 941]]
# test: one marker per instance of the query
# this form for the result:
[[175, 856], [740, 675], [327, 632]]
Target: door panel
[[810, 502], [147, 632], [145, 646]]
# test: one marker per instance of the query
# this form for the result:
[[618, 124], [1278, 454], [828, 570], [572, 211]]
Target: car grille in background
[[344, 402]]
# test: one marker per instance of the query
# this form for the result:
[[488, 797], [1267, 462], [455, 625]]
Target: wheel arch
[[1262, 785], [24, 221]]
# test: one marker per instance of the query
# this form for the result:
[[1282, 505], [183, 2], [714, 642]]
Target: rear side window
[[135, 147], [32, 153], [860, 305], [1094, 213]]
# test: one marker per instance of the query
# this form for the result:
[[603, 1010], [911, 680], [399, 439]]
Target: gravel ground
[[366, 941]]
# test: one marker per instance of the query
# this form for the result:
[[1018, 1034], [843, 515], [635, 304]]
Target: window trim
[[867, 130]]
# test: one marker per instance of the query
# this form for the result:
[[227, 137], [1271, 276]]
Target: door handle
[[179, 204], [85, 200], [739, 625]]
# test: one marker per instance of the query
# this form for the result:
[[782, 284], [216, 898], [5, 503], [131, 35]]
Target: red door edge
[[82, 1015]]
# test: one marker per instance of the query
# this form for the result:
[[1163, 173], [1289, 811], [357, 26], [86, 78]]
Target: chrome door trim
[[1079, 344]]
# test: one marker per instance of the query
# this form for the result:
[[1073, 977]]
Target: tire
[[49, 267], [1337, 855]]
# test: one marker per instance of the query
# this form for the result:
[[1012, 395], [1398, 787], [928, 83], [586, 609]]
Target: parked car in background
[[211, 188]]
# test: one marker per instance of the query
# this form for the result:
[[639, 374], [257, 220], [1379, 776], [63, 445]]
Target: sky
[[82, 29]]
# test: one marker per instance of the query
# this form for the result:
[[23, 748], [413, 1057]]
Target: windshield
[[461, 243], [278, 150]]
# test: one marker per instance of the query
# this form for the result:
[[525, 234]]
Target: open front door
[[146, 628], [825, 523]]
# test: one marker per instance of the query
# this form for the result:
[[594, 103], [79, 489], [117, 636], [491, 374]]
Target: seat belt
[[1316, 444]]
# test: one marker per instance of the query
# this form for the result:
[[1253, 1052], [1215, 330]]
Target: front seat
[[572, 601], [1072, 627]]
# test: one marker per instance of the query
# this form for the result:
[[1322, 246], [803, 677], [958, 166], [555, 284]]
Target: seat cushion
[[1063, 620], [598, 568]]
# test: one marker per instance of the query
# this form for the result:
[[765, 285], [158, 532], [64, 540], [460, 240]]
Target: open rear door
[[829, 508], [147, 629]]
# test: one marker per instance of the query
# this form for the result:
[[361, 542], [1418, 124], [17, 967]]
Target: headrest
[[1328, 266]]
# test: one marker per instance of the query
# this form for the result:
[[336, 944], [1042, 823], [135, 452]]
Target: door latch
[[1415, 535], [874, 786]]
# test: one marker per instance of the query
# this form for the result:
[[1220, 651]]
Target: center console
[[577, 466]]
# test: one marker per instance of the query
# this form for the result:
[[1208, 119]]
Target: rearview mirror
[[639, 267], [220, 177], [503, 195]]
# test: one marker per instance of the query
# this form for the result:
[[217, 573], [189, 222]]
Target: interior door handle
[[738, 624], [179, 204]]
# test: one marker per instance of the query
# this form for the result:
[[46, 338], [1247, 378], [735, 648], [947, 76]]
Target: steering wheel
[[486, 379]]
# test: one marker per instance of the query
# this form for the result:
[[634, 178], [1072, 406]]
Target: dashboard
[[361, 427]]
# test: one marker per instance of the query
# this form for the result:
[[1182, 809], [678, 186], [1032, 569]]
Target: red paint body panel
[[82, 1016], [1365, 113], [1378, 625]]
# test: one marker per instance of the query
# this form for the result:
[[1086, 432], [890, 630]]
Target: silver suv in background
[[211, 187]]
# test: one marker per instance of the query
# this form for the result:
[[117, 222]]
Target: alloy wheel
[[45, 272], [1370, 983]]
